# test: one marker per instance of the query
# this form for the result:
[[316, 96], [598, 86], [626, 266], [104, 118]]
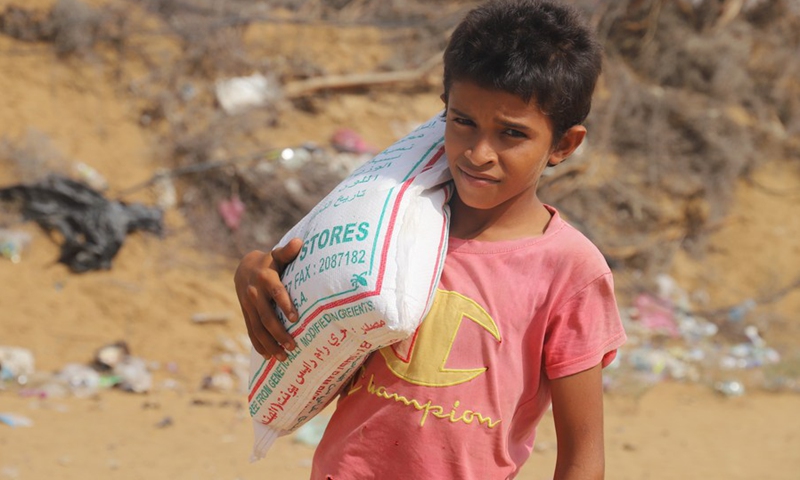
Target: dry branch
[[310, 86]]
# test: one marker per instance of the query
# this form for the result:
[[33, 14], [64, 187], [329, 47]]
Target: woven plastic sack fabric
[[372, 254]]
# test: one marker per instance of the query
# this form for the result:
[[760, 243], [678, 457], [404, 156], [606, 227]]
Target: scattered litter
[[748, 355], [12, 244], [16, 364], [656, 314], [112, 367], [93, 227], [90, 176], [236, 95], [347, 140], [667, 341], [134, 375], [751, 332], [48, 388], [311, 433], [694, 329], [165, 422], [232, 210], [232, 366], [344, 163], [295, 157], [164, 187], [730, 388], [661, 364], [82, 380], [219, 382], [221, 317], [664, 344], [108, 356], [14, 420], [737, 313]]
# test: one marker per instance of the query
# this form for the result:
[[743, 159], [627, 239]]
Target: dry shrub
[[71, 26], [76, 27], [25, 25], [690, 107]]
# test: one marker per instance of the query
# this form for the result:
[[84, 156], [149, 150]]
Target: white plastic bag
[[372, 254]]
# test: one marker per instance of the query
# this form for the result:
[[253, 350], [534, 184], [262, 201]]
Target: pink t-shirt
[[461, 399]]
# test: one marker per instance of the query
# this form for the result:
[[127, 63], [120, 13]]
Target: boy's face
[[497, 146]]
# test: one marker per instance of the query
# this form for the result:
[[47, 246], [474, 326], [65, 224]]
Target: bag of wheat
[[373, 251]]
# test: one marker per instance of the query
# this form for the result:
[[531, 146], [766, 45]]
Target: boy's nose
[[481, 153]]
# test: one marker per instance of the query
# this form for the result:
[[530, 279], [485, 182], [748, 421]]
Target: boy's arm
[[578, 417], [259, 289]]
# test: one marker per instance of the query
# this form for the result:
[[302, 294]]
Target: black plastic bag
[[94, 228]]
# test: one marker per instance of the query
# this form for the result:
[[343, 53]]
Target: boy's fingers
[[275, 328], [269, 321], [282, 300], [261, 339], [271, 279], [254, 338], [285, 255], [260, 291]]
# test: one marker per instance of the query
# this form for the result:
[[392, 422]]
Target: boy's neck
[[496, 225]]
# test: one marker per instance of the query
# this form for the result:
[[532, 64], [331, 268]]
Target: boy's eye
[[514, 133], [463, 121]]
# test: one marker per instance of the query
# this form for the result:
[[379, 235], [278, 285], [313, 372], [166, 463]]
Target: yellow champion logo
[[423, 362]]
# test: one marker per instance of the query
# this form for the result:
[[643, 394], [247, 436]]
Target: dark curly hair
[[540, 50]]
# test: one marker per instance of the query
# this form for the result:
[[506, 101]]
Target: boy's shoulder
[[538, 271], [563, 260], [568, 237], [570, 246], [569, 262]]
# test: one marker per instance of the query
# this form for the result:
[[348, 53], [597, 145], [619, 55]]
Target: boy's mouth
[[477, 178]]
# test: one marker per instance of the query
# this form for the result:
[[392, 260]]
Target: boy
[[525, 313]]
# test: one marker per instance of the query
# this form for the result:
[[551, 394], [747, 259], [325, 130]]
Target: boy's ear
[[570, 141], [443, 97]]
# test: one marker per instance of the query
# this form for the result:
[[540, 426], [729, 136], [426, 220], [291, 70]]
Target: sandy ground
[[181, 431]]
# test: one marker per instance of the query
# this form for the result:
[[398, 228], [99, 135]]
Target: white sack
[[372, 254]]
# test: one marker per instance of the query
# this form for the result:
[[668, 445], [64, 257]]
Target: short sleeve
[[584, 330]]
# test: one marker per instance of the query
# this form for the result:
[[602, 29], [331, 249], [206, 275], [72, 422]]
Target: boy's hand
[[259, 289]]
